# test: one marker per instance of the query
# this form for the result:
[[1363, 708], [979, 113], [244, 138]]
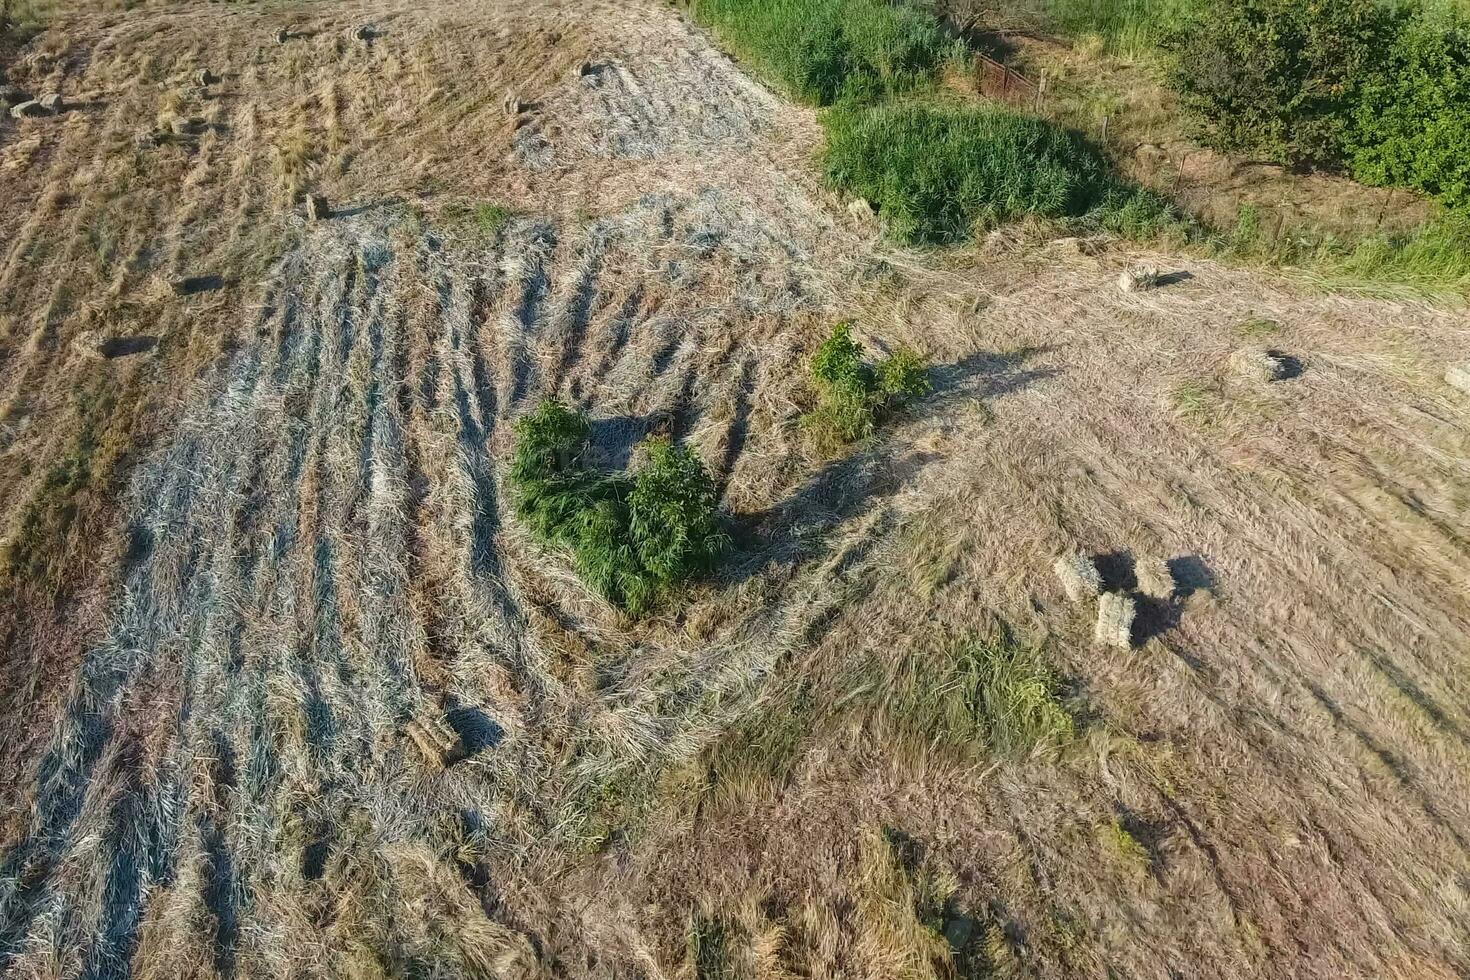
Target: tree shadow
[[1191, 574], [477, 731], [1117, 569], [1291, 367], [611, 440], [192, 285], [794, 529], [1399, 678], [1155, 617], [1400, 768], [1152, 835], [1159, 615]]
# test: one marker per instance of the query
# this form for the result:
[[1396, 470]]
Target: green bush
[[1413, 120], [1280, 78], [833, 50], [632, 538], [673, 521], [937, 175], [853, 397]]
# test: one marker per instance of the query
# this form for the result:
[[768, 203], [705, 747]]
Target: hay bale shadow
[[126, 346], [477, 731]]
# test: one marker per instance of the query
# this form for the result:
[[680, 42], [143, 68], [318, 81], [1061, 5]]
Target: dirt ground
[[258, 543]]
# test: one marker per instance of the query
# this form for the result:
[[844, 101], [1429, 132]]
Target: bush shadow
[[794, 529]]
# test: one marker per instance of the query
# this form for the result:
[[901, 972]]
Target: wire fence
[[1004, 84]]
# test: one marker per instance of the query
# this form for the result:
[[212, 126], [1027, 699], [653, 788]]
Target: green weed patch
[[940, 174], [633, 538]]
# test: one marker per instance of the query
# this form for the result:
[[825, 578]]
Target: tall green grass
[[1127, 27], [1432, 259], [940, 174], [828, 51]]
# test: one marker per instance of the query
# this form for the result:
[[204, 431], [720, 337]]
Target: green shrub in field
[[937, 175], [632, 538], [672, 517], [1280, 78], [853, 397], [832, 50], [1413, 119]]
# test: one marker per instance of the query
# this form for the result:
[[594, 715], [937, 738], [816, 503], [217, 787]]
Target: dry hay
[[310, 567]]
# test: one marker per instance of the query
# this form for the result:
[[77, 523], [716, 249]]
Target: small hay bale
[[53, 103], [1138, 278], [513, 104], [1458, 376], [1079, 576], [180, 126], [317, 208], [1115, 615], [434, 738], [91, 344], [1259, 364], [1073, 247], [1155, 579]]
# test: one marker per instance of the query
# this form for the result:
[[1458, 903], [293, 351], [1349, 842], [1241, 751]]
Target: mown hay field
[[294, 693]]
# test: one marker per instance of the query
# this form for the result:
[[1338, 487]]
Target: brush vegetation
[[1127, 27], [939, 175], [1378, 91], [633, 538], [20, 20], [853, 396]]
